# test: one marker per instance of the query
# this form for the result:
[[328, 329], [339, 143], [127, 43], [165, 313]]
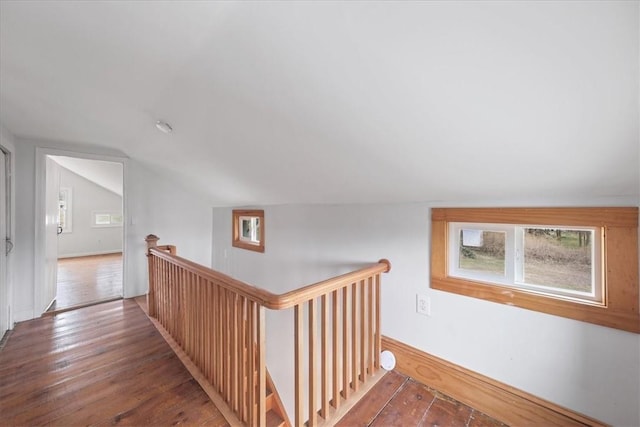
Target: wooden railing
[[220, 324]]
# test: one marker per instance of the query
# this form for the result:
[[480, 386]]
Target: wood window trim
[[620, 309], [237, 242]]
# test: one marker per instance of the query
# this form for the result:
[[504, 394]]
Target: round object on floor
[[387, 360]]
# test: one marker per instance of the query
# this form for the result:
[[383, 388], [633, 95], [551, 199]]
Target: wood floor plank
[[88, 352], [40, 353], [167, 409], [97, 365], [117, 397], [365, 411], [83, 393], [478, 419], [408, 406], [444, 412]]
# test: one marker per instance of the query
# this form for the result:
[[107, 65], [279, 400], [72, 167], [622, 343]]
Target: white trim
[[39, 192], [81, 254], [7, 144], [5, 309]]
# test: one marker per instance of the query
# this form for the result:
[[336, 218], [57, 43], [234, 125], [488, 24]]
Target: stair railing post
[[152, 242]]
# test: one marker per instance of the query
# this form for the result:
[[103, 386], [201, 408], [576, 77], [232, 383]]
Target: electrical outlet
[[423, 305]]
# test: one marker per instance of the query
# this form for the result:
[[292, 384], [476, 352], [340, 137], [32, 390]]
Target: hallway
[[87, 280]]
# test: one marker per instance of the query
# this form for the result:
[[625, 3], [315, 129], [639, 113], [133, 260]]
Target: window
[[248, 229], [580, 263], [65, 211], [106, 219], [554, 260]]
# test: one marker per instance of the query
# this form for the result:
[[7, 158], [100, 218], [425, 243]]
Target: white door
[[52, 191], [4, 291]]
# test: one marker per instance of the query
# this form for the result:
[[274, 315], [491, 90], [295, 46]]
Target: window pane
[[246, 229], [482, 250], [257, 231], [559, 258], [103, 219]]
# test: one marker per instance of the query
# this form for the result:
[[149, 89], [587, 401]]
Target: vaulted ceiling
[[336, 102]]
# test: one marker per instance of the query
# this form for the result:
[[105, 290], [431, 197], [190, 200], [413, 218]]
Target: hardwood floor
[[398, 400], [100, 365], [87, 280], [107, 365]]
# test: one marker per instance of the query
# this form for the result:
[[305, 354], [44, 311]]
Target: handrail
[[268, 299], [220, 323]]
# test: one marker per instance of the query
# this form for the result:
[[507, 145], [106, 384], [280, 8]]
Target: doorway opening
[[83, 233]]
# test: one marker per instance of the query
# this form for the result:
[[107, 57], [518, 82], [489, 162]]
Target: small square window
[[248, 230]]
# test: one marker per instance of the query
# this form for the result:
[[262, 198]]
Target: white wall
[[153, 204], [587, 368], [84, 238]]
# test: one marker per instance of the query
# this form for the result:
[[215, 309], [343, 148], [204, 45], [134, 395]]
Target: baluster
[[354, 337], [235, 354], [187, 313], [227, 346], [244, 371], [345, 343], [313, 415], [299, 395], [261, 361], [377, 347], [336, 351], [252, 358], [205, 308], [218, 333], [324, 408], [174, 302], [370, 336], [363, 332]]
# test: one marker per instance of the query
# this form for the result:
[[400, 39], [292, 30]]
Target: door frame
[[40, 216], [5, 233]]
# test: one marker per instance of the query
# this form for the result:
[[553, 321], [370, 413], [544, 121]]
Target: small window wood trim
[[620, 308], [249, 244]]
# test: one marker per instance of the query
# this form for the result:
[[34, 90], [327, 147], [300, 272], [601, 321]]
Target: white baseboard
[[81, 254]]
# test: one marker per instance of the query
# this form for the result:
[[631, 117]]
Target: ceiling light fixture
[[163, 126]]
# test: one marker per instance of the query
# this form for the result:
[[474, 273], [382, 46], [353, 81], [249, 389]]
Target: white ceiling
[[107, 175], [335, 102]]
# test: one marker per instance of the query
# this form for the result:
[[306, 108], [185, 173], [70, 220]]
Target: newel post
[[152, 242]]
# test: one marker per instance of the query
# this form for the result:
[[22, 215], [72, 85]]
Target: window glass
[[482, 250], [554, 260], [107, 219], [559, 258], [64, 210]]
